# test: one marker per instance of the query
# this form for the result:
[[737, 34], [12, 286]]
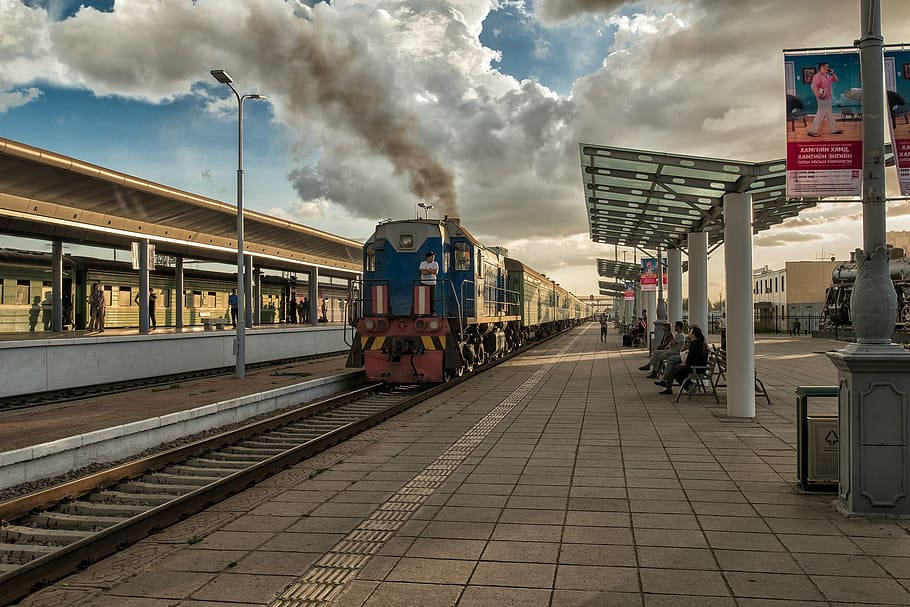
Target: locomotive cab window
[[371, 259], [462, 256], [479, 263], [405, 241]]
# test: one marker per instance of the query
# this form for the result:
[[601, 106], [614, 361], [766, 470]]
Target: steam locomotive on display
[[837, 296], [482, 306]]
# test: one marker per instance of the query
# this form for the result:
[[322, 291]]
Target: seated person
[[669, 349], [697, 356]]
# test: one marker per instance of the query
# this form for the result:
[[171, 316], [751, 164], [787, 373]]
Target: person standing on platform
[[153, 299], [723, 330], [97, 305], [232, 304], [324, 309], [305, 311], [603, 328], [92, 307]]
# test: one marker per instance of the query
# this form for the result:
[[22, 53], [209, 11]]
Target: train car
[[482, 306], [25, 293], [837, 296]]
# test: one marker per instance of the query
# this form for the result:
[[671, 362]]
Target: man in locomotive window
[[428, 271]]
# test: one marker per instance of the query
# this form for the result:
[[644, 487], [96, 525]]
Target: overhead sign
[[897, 92], [824, 124], [648, 274]]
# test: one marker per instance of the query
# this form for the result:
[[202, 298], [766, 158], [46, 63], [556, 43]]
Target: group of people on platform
[[679, 353]]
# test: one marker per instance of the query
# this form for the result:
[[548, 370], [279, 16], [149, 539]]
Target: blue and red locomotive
[[483, 304]]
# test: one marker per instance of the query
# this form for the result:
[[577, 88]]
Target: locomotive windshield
[[462, 256]]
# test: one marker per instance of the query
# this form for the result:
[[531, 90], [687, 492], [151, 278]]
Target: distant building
[[796, 291]]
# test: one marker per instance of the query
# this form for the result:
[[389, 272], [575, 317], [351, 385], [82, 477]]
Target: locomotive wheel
[[905, 314]]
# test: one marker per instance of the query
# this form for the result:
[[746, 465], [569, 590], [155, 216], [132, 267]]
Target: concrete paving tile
[[523, 575], [733, 523], [600, 579], [163, 584], [678, 538], [763, 562], [200, 560], [772, 586], [676, 558], [861, 589], [396, 546], [617, 492], [598, 519], [476, 500], [801, 525], [273, 508], [446, 549], [839, 564], [895, 565], [579, 598], [533, 517], [377, 568], [744, 602], [596, 535], [870, 528], [243, 587], [597, 554], [647, 520], [122, 601], [260, 523], [234, 540], [324, 524], [726, 497], [660, 506], [305, 496], [468, 514], [680, 600], [825, 544], [262, 562], [723, 509], [735, 540], [527, 533], [355, 593], [683, 581], [467, 531], [486, 596], [431, 571], [541, 490], [884, 546], [344, 510], [392, 594], [523, 552], [485, 489], [302, 542]]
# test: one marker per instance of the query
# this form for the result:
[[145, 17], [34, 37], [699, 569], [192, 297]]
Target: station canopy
[[620, 270], [47, 195], [647, 199], [611, 286]]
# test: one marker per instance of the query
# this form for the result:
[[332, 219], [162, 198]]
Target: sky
[[475, 105]]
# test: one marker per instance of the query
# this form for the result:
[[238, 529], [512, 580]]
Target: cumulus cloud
[[16, 98], [782, 239]]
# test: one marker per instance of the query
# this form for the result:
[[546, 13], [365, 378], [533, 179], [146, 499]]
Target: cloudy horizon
[[476, 105]]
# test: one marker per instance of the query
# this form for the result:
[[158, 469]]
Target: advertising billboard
[[897, 92], [824, 124], [648, 274], [629, 294]]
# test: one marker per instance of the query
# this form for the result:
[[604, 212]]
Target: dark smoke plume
[[331, 74]]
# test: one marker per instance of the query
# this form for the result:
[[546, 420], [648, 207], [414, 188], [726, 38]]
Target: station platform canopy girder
[[620, 270], [611, 286], [645, 199], [48, 195]]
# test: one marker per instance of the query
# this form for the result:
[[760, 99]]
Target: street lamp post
[[240, 345], [426, 209]]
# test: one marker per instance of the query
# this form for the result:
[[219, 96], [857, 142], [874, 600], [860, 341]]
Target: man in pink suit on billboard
[[822, 83]]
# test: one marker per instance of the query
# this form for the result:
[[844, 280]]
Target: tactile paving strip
[[326, 578]]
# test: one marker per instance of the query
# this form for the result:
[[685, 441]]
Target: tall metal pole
[[57, 286], [241, 300], [661, 304]]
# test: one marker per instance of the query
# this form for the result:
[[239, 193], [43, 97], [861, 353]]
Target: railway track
[[12, 403], [51, 533]]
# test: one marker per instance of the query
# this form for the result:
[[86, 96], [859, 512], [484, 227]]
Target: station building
[[795, 291]]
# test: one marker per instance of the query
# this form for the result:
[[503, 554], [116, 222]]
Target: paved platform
[[589, 490], [45, 423], [124, 331]]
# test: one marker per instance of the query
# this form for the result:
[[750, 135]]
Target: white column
[[674, 284], [698, 280], [740, 330], [650, 305]]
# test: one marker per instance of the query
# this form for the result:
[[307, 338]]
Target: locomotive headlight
[[368, 324], [434, 325], [420, 324], [382, 324]]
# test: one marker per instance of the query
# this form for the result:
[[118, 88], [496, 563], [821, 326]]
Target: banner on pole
[[648, 274], [824, 124], [629, 293], [134, 250], [897, 93]]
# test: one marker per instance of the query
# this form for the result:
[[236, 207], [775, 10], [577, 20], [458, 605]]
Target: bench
[[720, 358], [211, 323]]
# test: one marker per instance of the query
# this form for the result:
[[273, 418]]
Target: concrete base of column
[[874, 409]]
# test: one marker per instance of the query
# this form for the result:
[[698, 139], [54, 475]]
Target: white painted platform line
[[325, 580]]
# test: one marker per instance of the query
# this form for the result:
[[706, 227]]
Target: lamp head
[[221, 76], [257, 97]]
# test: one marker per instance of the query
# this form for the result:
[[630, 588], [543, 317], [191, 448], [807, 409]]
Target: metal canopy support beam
[[313, 295], [674, 284], [57, 286], [248, 289], [179, 288], [740, 328], [650, 305], [698, 280], [143, 286]]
